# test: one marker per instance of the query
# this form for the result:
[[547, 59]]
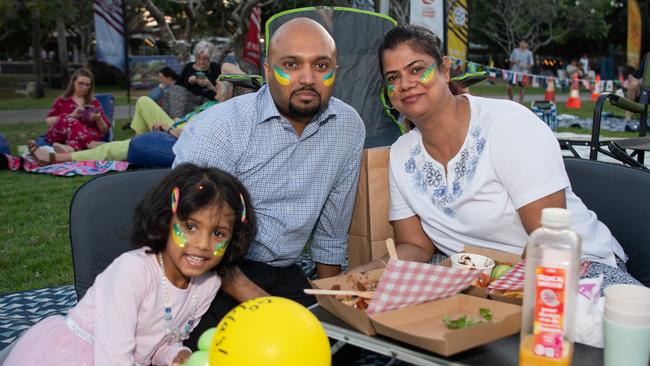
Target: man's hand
[[327, 270], [181, 357], [158, 127], [240, 287]]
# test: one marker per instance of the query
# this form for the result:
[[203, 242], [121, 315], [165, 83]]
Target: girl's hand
[[192, 79], [181, 357], [95, 117]]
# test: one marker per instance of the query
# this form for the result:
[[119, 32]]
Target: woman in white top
[[474, 170]]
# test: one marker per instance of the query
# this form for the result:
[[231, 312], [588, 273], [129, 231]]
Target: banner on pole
[[633, 33], [109, 32], [457, 33], [252, 45], [429, 14]]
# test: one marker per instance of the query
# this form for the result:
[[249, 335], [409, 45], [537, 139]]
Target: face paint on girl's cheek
[[391, 90], [281, 76], [329, 78], [428, 75], [220, 248], [178, 236]]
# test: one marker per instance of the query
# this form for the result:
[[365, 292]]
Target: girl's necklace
[[173, 334]]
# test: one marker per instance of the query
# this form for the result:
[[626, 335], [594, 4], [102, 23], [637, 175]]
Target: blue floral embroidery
[[429, 180], [409, 166]]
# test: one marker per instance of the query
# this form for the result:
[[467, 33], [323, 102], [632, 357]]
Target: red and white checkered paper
[[407, 283], [513, 280]]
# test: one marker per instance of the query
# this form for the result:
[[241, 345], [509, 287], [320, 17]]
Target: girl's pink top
[[124, 310]]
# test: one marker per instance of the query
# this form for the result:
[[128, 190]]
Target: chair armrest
[[626, 104]]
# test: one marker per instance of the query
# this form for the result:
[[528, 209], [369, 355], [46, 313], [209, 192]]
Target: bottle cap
[[557, 218]]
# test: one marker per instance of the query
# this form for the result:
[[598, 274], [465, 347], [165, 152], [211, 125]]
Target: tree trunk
[[85, 31], [36, 51], [63, 50]]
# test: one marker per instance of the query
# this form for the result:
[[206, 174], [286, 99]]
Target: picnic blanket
[[69, 169]]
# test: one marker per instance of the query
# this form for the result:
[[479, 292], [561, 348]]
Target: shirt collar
[[270, 111]]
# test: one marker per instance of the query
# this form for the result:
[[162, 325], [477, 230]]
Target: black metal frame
[[614, 150]]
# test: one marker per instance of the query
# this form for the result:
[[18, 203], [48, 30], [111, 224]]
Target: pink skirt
[[51, 342]]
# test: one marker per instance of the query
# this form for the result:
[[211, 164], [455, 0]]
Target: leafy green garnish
[[464, 321], [485, 313]]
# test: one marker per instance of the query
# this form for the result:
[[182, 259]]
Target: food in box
[[423, 325]]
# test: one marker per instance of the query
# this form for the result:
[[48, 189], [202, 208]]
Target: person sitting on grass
[[190, 231], [76, 120], [149, 116]]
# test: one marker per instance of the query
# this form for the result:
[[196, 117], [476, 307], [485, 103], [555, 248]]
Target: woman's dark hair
[[169, 72], [420, 39], [153, 215]]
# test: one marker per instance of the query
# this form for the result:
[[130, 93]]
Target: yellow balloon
[[270, 331]]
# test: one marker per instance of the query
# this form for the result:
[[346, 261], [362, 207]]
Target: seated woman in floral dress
[[76, 120]]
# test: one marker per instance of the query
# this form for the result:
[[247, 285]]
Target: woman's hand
[[158, 127], [181, 357], [95, 117], [78, 112], [204, 82], [192, 79]]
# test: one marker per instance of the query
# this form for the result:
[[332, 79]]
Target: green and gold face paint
[[220, 248], [329, 78], [178, 236], [282, 77], [428, 74], [390, 89]]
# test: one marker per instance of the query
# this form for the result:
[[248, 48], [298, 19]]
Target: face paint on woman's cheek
[[178, 236], [282, 77], [428, 74], [391, 90], [220, 248], [329, 78]]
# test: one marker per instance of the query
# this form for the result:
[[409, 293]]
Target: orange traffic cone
[[574, 95], [549, 96], [597, 89]]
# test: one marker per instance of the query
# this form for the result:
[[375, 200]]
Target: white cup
[[480, 263], [628, 299], [633, 320]]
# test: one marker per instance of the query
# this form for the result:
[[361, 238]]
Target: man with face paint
[[297, 150]]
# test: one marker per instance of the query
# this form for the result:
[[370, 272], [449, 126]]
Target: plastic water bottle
[[551, 288]]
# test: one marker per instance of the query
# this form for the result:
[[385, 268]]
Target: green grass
[[10, 100], [34, 241]]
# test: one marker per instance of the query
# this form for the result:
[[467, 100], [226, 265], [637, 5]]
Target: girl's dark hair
[[168, 72], [420, 39], [153, 215]]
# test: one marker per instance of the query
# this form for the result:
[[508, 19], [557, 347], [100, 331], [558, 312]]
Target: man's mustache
[[305, 88]]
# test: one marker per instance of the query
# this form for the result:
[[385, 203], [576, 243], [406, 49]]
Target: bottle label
[[548, 328]]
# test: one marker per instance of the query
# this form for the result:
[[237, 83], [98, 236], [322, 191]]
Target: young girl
[[196, 222]]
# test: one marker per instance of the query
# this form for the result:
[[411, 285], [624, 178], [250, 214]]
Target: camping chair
[[357, 34], [617, 148], [101, 214], [617, 194]]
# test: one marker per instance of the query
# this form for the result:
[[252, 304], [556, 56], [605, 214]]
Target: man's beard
[[303, 111]]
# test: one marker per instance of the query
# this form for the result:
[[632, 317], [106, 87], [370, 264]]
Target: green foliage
[[505, 22]]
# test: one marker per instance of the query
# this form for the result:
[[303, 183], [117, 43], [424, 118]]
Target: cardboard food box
[[370, 227], [422, 326], [357, 318], [498, 256]]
